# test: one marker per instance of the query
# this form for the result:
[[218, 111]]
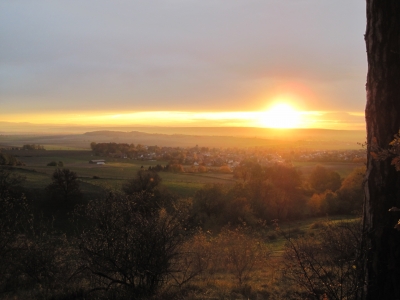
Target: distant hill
[[202, 136]]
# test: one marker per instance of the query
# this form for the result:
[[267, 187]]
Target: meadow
[[116, 171], [112, 175]]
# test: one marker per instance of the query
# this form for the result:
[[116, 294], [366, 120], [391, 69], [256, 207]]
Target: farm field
[[116, 171], [343, 168], [109, 176]]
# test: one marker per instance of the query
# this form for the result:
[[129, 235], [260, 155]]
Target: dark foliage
[[32, 147], [322, 179], [128, 252], [328, 265], [59, 164], [9, 160], [9, 182], [64, 184]]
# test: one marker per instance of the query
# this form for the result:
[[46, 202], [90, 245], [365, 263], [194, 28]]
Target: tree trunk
[[382, 187]]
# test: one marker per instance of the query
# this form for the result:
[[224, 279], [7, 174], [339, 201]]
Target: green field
[[115, 172], [111, 175], [343, 168]]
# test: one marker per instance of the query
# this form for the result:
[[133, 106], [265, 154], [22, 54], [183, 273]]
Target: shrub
[[9, 160], [329, 264], [239, 253], [55, 164], [225, 169], [130, 253]]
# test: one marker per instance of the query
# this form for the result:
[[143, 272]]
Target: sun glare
[[281, 115]]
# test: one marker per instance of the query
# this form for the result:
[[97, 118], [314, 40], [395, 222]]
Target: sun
[[281, 115]]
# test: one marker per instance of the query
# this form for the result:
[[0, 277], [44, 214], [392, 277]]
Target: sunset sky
[[183, 62]]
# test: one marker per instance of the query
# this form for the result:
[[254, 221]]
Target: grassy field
[[343, 168], [109, 176], [297, 228], [117, 171]]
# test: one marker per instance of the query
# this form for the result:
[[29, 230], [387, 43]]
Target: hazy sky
[[89, 58]]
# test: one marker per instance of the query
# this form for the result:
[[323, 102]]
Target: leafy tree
[[248, 169], [65, 183], [239, 211], [209, 205], [145, 181], [351, 192], [322, 179], [225, 169], [153, 195], [284, 177], [202, 169], [9, 181], [174, 167], [9, 160]]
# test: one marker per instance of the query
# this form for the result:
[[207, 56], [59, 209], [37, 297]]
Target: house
[[97, 161]]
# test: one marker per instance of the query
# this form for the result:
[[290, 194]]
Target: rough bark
[[382, 187]]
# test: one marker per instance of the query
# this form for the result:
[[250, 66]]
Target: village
[[219, 157]]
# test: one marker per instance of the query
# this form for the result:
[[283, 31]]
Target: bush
[[55, 164], [9, 160], [328, 264], [130, 253], [239, 253]]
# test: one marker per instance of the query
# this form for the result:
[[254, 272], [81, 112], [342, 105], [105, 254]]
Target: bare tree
[[326, 265], [126, 250]]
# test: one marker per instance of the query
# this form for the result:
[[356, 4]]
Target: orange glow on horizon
[[278, 116]]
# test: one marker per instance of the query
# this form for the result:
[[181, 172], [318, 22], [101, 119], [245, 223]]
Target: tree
[[128, 252], [9, 181], [153, 195], [145, 181], [248, 169], [351, 193], [208, 205], [322, 179], [326, 265], [382, 188], [10, 160], [64, 183]]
